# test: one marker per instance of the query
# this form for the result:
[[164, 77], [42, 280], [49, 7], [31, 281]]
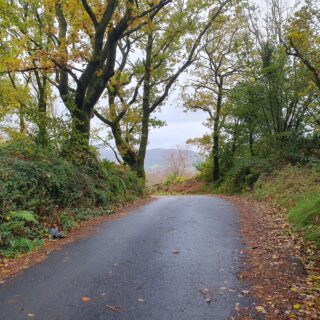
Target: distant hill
[[157, 158]]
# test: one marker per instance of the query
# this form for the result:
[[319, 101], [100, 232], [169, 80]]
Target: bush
[[244, 175], [67, 222], [39, 185], [205, 169], [41, 181], [19, 232], [173, 179]]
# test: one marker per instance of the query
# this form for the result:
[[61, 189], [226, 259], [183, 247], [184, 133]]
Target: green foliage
[[67, 222], [38, 186], [173, 179], [286, 185], [205, 169], [26, 216], [296, 188], [306, 212], [19, 232], [306, 216], [32, 178], [243, 175], [88, 213]]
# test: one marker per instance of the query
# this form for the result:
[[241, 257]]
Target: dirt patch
[[282, 270], [10, 267]]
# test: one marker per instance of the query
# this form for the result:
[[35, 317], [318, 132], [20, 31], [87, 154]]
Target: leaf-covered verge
[[279, 218], [282, 270], [40, 189], [297, 190]]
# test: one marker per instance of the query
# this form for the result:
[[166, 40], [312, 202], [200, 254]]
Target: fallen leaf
[[297, 306], [85, 299], [207, 294], [261, 309], [245, 291], [114, 308]]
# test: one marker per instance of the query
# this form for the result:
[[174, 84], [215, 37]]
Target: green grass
[[306, 216], [286, 186], [296, 188]]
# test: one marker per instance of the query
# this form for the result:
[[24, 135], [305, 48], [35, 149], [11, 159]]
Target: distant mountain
[[160, 158]]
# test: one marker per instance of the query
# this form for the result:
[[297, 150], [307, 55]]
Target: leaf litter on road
[[116, 309], [207, 294], [283, 270]]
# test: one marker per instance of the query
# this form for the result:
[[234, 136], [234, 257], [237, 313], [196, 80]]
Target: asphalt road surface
[[176, 258]]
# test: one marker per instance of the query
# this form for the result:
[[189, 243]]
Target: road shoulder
[[12, 267], [282, 271]]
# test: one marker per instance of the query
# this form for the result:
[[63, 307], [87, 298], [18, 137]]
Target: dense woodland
[[64, 63]]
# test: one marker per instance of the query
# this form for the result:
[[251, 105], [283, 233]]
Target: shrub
[[244, 175], [67, 222], [19, 232], [38, 185], [40, 180], [173, 179]]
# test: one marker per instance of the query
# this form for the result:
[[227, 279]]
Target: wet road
[[162, 262]]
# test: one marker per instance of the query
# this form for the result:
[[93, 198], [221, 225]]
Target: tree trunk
[[127, 154], [216, 136], [22, 123], [42, 137], [145, 109], [251, 141]]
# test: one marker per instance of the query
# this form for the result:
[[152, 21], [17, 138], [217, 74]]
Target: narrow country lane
[[161, 262]]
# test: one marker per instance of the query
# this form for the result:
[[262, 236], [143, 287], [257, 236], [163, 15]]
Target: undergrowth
[[296, 188], [40, 189]]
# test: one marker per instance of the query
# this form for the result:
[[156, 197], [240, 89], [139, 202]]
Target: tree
[[162, 43], [302, 38], [103, 27], [215, 73], [23, 64], [81, 48], [177, 161]]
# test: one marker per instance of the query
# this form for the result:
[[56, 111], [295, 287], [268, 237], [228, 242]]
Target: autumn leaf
[[85, 299], [261, 309]]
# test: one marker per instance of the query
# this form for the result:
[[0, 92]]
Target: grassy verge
[[298, 190]]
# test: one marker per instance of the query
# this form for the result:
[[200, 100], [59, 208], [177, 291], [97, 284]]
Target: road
[[175, 258]]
